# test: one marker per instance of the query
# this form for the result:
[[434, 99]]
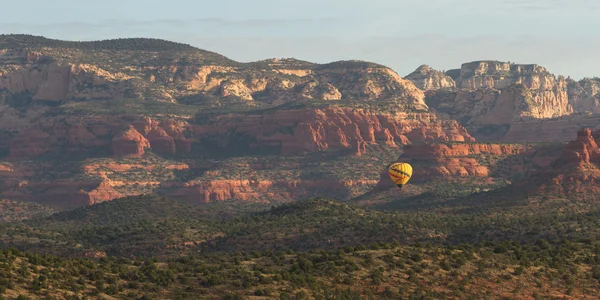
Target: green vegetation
[[493, 130], [316, 248], [132, 44], [147, 225], [124, 106], [376, 270], [350, 64], [17, 210]]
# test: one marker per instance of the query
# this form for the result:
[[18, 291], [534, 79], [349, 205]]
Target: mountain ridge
[[26, 41], [129, 122]]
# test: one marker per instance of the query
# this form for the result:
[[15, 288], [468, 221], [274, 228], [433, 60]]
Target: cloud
[[120, 23], [266, 21]]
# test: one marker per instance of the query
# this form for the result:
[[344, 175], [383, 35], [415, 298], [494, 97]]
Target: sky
[[561, 35]]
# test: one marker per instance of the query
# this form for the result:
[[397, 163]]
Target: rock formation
[[426, 78], [129, 143], [575, 172], [498, 101], [53, 75], [84, 124], [574, 175], [310, 130], [584, 95], [64, 194], [250, 190]]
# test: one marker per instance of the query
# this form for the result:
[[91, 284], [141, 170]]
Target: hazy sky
[[563, 35]]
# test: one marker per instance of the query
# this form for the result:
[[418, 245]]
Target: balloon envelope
[[400, 173]]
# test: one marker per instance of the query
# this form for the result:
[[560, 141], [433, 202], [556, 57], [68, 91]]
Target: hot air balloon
[[400, 173]]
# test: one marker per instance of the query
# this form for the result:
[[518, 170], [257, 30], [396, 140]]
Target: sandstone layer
[[426, 78], [496, 100], [310, 130], [265, 190], [59, 74]]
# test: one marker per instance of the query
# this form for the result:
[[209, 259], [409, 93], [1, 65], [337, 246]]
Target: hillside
[[386, 271], [149, 226], [16, 210], [315, 248]]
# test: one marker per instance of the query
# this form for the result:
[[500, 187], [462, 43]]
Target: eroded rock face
[[129, 143], [478, 95], [426, 78], [310, 130], [492, 97], [454, 161], [581, 151], [575, 172], [64, 194], [48, 76], [58, 82], [488, 89], [251, 190], [125, 136], [290, 132], [584, 95]]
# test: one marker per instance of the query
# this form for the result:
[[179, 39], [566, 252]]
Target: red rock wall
[[292, 131]]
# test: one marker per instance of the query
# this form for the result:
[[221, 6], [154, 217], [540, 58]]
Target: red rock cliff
[[290, 131], [576, 171], [309, 130]]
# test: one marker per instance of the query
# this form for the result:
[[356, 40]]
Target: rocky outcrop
[[125, 136], [581, 151], [426, 78], [161, 141], [60, 74], [64, 194], [63, 101], [61, 81], [130, 143], [289, 132], [257, 190], [310, 130], [514, 92], [584, 95], [575, 172], [492, 97], [455, 161], [499, 75]]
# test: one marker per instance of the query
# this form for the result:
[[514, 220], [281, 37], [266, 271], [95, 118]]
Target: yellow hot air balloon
[[400, 173]]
